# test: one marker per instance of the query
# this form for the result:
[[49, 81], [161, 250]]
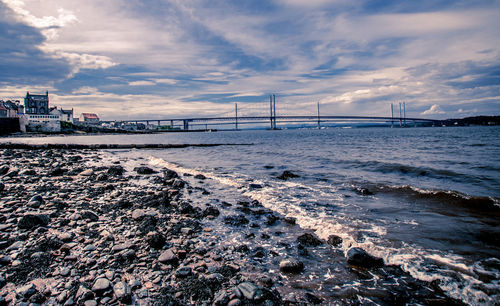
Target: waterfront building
[[11, 109], [65, 115], [89, 118], [36, 104], [3, 111]]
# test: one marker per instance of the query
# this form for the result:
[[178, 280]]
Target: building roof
[[90, 116], [69, 112], [10, 104]]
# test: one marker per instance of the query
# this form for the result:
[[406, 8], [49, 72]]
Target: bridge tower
[[319, 122], [236, 115], [392, 115], [272, 108]]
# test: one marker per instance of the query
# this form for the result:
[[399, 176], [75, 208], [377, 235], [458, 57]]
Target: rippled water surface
[[423, 198]]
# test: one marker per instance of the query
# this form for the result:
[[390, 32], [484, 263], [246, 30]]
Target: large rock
[[116, 170], [291, 266], [309, 240], [287, 175], [169, 174], [31, 220], [168, 257], [359, 257], [144, 170]]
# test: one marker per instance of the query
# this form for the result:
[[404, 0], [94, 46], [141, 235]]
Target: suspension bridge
[[255, 116]]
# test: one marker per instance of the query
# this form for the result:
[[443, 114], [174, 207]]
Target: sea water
[[426, 199]]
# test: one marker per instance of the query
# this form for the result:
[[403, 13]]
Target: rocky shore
[[80, 229]]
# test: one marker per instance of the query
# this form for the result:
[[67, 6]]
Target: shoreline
[[59, 146], [79, 226]]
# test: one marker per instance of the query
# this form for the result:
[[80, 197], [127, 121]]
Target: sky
[[160, 59]]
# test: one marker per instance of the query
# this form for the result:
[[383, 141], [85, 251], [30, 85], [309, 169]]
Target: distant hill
[[477, 120]]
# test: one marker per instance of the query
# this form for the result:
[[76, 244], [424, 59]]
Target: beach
[[86, 226]]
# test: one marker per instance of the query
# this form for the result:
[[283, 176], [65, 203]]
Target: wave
[[386, 167], [447, 197]]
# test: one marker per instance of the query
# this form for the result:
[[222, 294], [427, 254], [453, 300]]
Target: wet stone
[[291, 266], [287, 175], [116, 170], [309, 240], [252, 292], [236, 220], [144, 170], [359, 257], [200, 177], [334, 240]]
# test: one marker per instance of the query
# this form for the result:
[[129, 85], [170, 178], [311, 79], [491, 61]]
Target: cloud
[[434, 110], [309, 3], [46, 22], [165, 81], [141, 83], [21, 61], [356, 58]]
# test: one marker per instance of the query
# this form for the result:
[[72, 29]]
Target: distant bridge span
[[273, 120]]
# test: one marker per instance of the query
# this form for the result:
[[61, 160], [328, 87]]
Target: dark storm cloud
[[21, 62]]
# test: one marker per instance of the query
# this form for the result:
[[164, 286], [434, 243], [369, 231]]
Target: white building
[[65, 115], [42, 123]]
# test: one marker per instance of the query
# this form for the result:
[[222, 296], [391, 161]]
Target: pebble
[[87, 172], [183, 272], [168, 257], [101, 285], [122, 292]]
